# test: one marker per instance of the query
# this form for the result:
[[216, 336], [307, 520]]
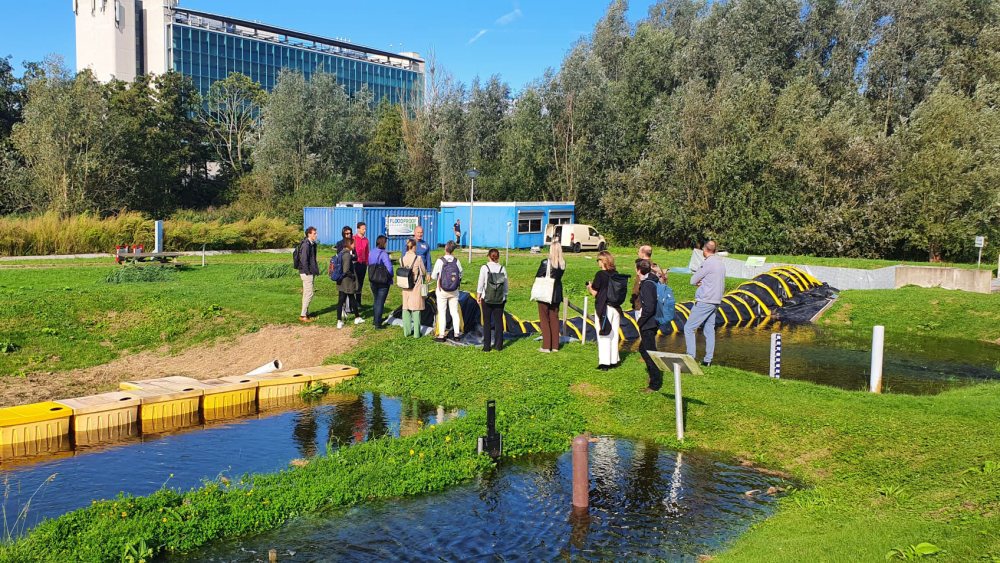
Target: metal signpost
[[472, 197], [980, 243], [507, 256]]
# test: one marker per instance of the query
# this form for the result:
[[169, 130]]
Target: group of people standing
[[609, 288]]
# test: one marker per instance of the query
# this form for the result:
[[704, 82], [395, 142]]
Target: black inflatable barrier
[[786, 294]]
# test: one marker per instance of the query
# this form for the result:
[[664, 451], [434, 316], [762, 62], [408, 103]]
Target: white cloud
[[477, 36], [510, 17]]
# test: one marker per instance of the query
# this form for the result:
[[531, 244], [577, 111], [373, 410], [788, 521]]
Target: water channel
[[916, 365], [646, 503], [59, 483]]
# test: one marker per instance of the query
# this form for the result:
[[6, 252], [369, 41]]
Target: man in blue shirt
[[423, 249]]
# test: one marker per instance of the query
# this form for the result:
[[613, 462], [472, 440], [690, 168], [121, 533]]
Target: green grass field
[[879, 472]]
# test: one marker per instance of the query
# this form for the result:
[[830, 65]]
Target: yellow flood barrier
[[283, 388], [104, 417], [169, 403], [228, 399], [34, 429]]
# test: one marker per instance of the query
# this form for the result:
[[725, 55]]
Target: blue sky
[[516, 39]]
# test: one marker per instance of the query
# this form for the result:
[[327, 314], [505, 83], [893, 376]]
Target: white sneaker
[[358, 320], [340, 324]]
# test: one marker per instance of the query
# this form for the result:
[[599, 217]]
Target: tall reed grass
[[51, 233]]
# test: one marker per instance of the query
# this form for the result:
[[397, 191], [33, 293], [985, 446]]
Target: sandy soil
[[295, 346]]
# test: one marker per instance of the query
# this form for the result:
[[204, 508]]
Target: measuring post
[[878, 343], [583, 329], [581, 473], [775, 370], [678, 402]]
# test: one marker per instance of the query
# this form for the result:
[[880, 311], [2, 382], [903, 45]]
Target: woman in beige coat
[[413, 299]]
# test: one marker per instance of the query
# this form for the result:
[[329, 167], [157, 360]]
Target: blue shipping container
[[330, 220], [493, 222]]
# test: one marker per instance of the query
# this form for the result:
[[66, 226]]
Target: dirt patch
[[590, 391], [295, 346]]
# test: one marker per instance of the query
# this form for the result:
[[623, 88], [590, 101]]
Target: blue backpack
[[336, 268], [451, 276], [664, 307]]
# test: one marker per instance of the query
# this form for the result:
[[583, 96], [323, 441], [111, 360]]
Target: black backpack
[[295, 256], [379, 274], [617, 289]]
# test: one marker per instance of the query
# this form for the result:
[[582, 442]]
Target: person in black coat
[[308, 269], [647, 323]]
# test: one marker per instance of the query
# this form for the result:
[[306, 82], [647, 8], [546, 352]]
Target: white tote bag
[[544, 288]]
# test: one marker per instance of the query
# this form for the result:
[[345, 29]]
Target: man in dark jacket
[[645, 253], [308, 270], [647, 323]]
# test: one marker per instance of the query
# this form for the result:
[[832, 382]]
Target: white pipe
[[269, 367], [878, 343], [584, 318], [678, 402]]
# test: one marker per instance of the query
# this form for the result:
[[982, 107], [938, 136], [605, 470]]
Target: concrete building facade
[[126, 38]]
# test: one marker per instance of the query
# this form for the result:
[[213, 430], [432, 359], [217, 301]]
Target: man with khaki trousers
[[308, 270]]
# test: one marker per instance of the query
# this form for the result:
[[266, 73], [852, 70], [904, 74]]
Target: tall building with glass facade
[[126, 38]]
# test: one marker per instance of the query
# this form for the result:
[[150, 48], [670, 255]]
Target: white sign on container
[[401, 226]]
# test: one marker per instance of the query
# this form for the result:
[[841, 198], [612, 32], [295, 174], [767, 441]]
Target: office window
[[560, 217], [529, 222]]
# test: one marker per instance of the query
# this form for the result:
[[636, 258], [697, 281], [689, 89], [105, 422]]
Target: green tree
[[232, 116], [11, 98], [73, 152], [384, 157], [526, 155], [949, 173]]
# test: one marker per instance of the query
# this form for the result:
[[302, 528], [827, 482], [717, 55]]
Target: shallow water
[[915, 365], [646, 503], [260, 443]]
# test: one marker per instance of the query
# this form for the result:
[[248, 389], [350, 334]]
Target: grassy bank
[[82, 234], [882, 472]]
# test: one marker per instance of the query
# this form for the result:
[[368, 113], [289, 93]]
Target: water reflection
[[183, 459], [522, 511], [916, 364]]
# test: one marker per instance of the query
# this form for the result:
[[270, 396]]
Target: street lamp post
[[507, 256], [472, 198]]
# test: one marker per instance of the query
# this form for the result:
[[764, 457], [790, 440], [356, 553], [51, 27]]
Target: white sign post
[[980, 243], [401, 226]]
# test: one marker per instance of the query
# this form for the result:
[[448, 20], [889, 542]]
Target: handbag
[[544, 289], [404, 275]]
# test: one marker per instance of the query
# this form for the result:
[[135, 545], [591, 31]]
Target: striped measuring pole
[[775, 370]]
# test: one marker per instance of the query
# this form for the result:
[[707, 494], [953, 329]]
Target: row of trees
[[862, 128]]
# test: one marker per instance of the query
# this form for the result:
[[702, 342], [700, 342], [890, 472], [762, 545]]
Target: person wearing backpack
[[491, 294], [380, 275], [609, 293], [548, 312], [448, 273], [647, 322], [347, 283], [305, 262], [409, 278]]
